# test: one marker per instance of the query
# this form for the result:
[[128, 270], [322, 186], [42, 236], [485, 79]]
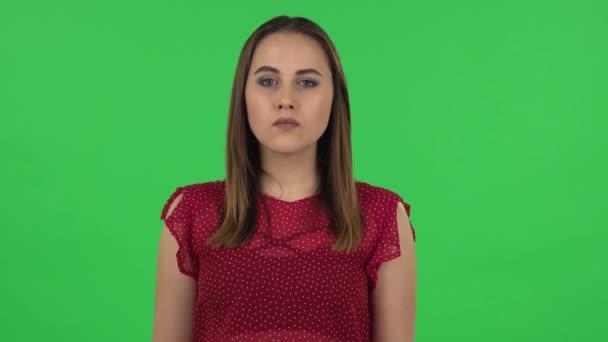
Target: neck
[[289, 176]]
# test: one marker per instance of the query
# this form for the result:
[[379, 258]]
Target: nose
[[286, 100], [285, 105]]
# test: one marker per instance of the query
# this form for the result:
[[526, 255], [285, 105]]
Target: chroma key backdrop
[[488, 117]]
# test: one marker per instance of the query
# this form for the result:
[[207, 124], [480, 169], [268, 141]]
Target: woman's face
[[289, 78]]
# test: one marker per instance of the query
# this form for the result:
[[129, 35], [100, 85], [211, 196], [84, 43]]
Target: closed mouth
[[288, 121]]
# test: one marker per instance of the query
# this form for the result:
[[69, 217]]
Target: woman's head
[[289, 78], [289, 68]]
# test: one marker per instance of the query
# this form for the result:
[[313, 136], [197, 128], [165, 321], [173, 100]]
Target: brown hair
[[337, 191]]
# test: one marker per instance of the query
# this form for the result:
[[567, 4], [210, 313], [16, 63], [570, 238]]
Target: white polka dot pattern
[[179, 224], [286, 284]]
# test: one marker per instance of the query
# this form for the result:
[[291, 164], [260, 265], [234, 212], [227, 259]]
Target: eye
[[309, 83], [264, 82]]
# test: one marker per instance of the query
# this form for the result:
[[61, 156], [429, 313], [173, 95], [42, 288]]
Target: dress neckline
[[278, 200]]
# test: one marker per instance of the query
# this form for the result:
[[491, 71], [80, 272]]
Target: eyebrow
[[276, 71]]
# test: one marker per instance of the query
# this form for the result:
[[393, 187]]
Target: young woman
[[289, 246]]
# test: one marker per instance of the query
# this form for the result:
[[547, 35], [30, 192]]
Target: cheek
[[322, 109], [256, 107], [315, 113], [259, 111]]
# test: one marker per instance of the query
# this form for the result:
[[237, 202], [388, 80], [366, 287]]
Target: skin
[[276, 89], [394, 298], [175, 293]]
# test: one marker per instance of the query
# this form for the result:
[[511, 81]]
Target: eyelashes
[[305, 83]]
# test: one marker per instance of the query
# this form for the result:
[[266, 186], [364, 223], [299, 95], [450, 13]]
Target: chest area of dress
[[260, 275], [288, 259]]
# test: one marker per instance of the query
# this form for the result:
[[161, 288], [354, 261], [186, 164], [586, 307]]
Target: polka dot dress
[[286, 284]]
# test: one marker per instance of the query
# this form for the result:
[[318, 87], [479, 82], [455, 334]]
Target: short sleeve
[[387, 246], [180, 224]]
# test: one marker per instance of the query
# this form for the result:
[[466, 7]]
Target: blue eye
[[269, 82], [264, 83], [310, 83]]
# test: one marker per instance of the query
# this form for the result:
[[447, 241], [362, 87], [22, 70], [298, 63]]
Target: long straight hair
[[337, 191]]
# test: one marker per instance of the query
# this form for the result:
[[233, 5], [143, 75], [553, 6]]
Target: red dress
[[286, 284]]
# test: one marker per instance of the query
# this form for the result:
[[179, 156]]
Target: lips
[[286, 121]]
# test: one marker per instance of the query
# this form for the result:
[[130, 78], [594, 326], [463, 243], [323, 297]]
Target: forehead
[[288, 51]]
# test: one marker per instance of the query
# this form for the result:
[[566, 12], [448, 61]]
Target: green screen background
[[488, 117]]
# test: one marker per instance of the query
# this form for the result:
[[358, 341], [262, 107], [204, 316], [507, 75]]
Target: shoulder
[[381, 204], [196, 197], [376, 196], [209, 190]]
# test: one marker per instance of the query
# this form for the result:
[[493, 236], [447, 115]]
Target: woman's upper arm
[[394, 298], [175, 294]]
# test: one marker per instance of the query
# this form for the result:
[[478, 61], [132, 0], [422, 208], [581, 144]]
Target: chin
[[286, 147]]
